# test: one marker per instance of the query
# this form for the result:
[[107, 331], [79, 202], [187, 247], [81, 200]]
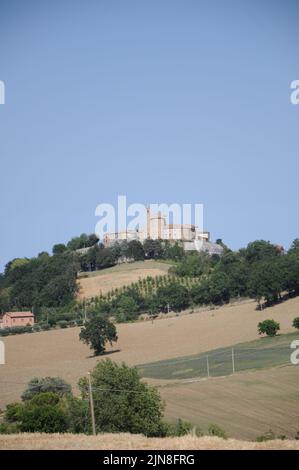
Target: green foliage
[[16, 330], [193, 264], [46, 384], [126, 309], [181, 428], [62, 323], [215, 430], [153, 249], [267, 436], [135, 250], [173, 296], [58, 249], [296, 323], [83, 241], [268, 327], [97, 332], [122, 402], [48, 281], [43, 413]]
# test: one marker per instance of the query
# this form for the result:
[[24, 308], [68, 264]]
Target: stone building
[[157, 229]]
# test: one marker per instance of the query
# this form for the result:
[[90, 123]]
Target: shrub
[[181, 428], [62, 323], [268, 327], [45, 326], [296, 323], [215, 430], [267, 436], [43, 414]]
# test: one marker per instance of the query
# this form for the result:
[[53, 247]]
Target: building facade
[[12, 319], [157, 229]]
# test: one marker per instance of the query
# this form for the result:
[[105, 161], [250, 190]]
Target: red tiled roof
[[19, 314]]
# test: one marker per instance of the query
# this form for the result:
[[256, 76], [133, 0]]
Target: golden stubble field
[[133, 441], [246, 405], [95, 283]]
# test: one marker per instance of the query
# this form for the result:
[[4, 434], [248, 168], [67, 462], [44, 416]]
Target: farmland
[[239, 403], [262, 353], [94, 283]]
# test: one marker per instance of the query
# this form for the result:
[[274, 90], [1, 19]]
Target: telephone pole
[[208, 367], [93, 423]]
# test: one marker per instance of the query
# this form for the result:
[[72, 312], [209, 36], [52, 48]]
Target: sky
[[163, 101]]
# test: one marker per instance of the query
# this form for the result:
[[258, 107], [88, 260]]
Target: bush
[[267, 436], [268, 327], [215, 430], [296, 323], [45, 326], [182, 428], [43, 414], [62, 323], [9, 428]]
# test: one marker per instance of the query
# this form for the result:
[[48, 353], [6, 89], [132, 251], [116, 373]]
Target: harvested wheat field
[[132, 441], [60, 353], [95, 283], [247, 404]]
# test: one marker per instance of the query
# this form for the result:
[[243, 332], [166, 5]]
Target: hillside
[[97, 282], [132, 441], [60, 353]]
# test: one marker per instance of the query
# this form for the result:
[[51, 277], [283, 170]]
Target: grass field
[[97, 282], [131, 441], [262, 353]]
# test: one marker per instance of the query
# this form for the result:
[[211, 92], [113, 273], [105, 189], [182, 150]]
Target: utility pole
[[208, 367], [84, 312], [233, 360], [93, 423]]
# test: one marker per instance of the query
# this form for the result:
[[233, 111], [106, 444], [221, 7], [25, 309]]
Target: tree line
[[48, 284]]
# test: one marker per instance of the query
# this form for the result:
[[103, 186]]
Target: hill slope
[[92, 284], [60, 353]]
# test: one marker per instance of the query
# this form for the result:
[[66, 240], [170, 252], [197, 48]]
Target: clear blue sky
[[164, 101]]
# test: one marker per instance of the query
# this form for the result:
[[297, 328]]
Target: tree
[[174, 251], [122, 402], [126, 309], [268, 327], [46, 384], [153, 249], [219, 288], [259, 250], [58, 249], [173, 296], [265, 281], [296, 323], [135, 250], [97, 332]]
